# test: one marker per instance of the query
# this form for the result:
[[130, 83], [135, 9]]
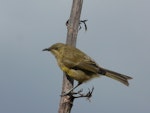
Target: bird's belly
[[80, 76]]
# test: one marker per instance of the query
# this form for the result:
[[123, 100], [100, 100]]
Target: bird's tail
[[116, 76]]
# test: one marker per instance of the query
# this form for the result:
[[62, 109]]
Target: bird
[[80, 67]]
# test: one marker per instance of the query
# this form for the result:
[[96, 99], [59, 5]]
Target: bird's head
[[55, 49]]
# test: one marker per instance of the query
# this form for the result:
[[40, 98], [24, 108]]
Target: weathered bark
[[66, 102]]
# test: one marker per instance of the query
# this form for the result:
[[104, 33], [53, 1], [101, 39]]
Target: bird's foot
[[88, 95], [66, 93], [79, 94]]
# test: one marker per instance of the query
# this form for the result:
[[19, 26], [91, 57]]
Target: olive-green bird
[[79, 66]]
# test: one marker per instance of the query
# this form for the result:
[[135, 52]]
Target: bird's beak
[[46, 49]]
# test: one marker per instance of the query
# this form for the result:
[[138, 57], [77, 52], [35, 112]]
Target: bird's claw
[[79, 94]]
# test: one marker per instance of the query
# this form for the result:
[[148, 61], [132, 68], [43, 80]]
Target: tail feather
[[117, 76]]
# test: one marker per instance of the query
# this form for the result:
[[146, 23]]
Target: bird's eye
[[56, 48]]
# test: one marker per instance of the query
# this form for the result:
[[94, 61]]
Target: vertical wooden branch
[[74, 22], [66, 102]]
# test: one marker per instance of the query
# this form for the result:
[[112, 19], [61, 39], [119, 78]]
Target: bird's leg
[[69, 92]]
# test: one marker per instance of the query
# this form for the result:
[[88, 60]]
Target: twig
[[81, 21]]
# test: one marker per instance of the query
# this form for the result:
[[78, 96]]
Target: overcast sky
[[118, 38]]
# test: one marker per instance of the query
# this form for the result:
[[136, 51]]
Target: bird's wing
[[78, 60], [86, 64]]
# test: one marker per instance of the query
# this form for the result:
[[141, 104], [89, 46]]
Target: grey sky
[[118, 38]]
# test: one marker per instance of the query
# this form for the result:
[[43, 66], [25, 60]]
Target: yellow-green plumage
[[80, 66]]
